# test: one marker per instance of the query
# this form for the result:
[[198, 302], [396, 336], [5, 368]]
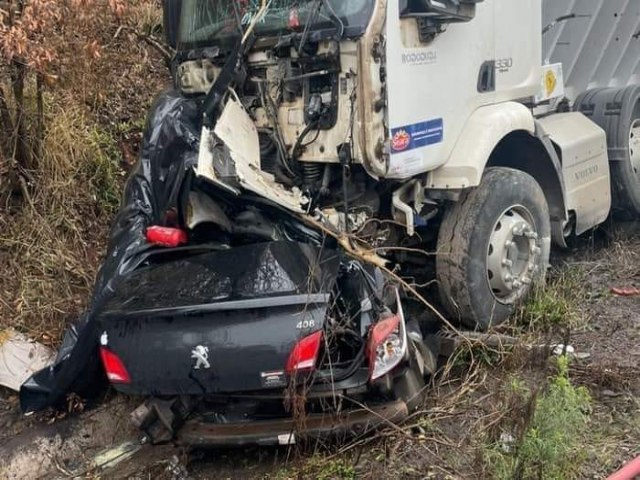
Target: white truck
[[478, 130]]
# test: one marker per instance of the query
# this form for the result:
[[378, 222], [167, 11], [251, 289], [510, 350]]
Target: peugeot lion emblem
[[201, 356]]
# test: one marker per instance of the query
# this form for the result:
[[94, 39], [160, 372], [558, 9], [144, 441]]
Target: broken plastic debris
[[582, 355], [110, 458], [287, 439], [507, 442], [570, 352], [176, 469], [20, 358], [563, 350]]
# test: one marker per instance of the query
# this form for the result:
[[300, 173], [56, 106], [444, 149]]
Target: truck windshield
[[209, 22]]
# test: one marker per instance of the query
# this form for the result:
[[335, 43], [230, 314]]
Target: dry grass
[[52, 246], [52, 242], [146, 17]]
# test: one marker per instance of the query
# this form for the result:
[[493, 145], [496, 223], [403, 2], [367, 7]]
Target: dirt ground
[[447, 439]]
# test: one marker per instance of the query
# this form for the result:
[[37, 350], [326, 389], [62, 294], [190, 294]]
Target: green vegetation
[[319, 468], [551, 444], [336, 469], [556, 304], [104, 172]]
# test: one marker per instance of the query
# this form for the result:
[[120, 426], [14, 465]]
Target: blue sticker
[[417, 135]]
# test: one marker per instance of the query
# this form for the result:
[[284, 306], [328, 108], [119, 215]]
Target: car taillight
[[166, 237], [304, 354], [113, 366], [386, 345]]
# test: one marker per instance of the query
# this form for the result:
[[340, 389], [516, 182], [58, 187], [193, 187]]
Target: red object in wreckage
[[113, 367], [294, 19], [304, 355], [166, 236]]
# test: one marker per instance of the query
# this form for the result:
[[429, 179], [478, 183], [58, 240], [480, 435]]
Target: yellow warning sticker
[[550, 82]]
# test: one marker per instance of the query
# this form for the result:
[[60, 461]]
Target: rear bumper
[[287, 431]]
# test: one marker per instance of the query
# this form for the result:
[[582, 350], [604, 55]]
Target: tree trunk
[[7, 130], [21, 143], [40, 119]]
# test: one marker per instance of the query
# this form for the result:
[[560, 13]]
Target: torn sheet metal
[[238, 134], [203, 209], [20, 358]]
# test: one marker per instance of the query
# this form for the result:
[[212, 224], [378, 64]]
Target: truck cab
[[439, 118]]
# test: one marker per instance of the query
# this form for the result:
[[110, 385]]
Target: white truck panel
[[421, 79], [585, 166], [517, 46], [482, 132], [433, 87]]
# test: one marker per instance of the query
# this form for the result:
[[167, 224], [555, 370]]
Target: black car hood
[[232, 277]]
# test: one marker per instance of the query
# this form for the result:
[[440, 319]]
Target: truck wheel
[[493, 245], [617, 111], [625, 171]]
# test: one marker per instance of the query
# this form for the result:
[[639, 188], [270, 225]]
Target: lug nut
[[535, 250], [526, 280], [532, 235], [507, 263], [508, 243], [508, 278], [517, 284]]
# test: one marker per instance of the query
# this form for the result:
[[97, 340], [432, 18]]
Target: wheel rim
[[512, 254], [634, 146]]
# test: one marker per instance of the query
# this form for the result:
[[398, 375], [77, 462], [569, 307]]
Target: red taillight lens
[[386, 346], [305, 353], [378, 334], [166, 237], [113, 366]]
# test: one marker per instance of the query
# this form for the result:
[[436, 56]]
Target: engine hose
[[298, 147]]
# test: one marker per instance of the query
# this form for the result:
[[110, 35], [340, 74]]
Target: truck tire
[[493, 245], [617, 112]]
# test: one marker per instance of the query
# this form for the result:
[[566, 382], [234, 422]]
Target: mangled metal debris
[[230, 158]]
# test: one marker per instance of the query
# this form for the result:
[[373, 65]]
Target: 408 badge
[[400, 141]]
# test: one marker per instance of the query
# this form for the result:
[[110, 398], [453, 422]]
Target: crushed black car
[[241, 342], [236, 321], [223, 303]]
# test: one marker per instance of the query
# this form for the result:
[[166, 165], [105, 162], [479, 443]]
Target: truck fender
[[483, 131]]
